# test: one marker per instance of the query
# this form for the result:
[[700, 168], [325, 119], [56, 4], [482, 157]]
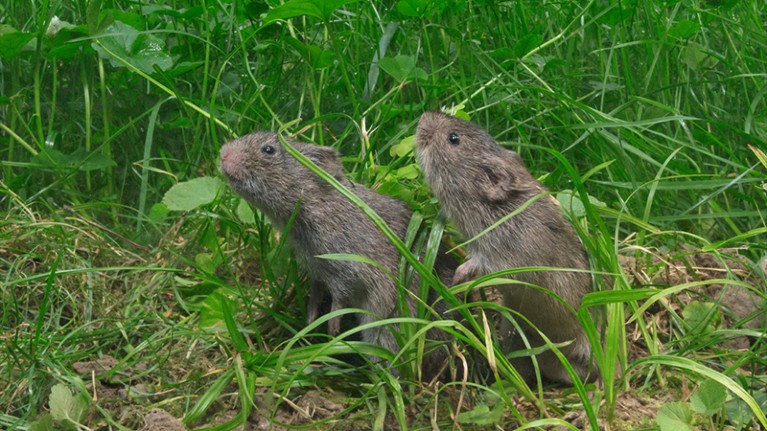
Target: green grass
[[654, 110]]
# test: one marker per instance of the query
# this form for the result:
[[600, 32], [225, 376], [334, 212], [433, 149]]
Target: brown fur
[[478, 182], [259, 169]]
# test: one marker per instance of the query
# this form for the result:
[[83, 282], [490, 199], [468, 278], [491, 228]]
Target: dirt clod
[[100, 365], [160, 420]]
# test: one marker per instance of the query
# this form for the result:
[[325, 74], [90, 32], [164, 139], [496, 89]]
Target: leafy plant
[[67, 410], [706, 402]]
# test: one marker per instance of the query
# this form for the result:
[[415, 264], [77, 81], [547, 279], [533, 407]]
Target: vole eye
[[453, 138], [267, 149]]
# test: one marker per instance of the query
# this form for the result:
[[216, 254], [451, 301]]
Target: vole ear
[[498, 181], [327, 158]]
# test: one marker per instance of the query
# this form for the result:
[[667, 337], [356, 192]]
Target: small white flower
[[55, 27]]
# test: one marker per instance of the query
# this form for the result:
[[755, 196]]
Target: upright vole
[[477, 182], [326, 222]]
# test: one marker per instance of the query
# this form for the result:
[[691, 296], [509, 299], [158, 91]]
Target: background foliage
[[655, 110]]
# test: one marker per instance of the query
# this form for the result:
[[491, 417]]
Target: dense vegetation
[[647, 118]]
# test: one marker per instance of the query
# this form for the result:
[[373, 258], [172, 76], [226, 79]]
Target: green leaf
[[402, 67], [181, 13], [700, 316], [314, 55], [503, 53], [404, 147], [92, 15], [526, 44], [212, 311], [463, 115], [392, 187], [458, 111], [616, 14], [675, 417], [176, 122], [191, 194], [321, 9], [709, 398], [573, 204], [412, 8], [90, 162], [60, 402], [80, 160], [684, 29], [64, 406], [158, 212], [144, 51], [207, 262], [409, 172], [723, 4], [133, 19], [482, 415], [699, 58], [422, 8], [231, 327], [184, 67], [45, 423], [69, 43], [12, 40], [738, 411], [245, 212], [254, 9]]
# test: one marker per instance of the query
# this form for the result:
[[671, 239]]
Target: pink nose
[[226, 153], [229, 162]]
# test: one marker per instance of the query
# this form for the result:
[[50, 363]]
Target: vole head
[[260, 170], [460, 160]]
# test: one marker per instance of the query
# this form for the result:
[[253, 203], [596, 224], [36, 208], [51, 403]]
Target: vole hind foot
[[317, 295], [334, 324], [465, 272]]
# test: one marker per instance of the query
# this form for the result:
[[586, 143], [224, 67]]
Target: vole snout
[[232, 159], [427, 126]]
